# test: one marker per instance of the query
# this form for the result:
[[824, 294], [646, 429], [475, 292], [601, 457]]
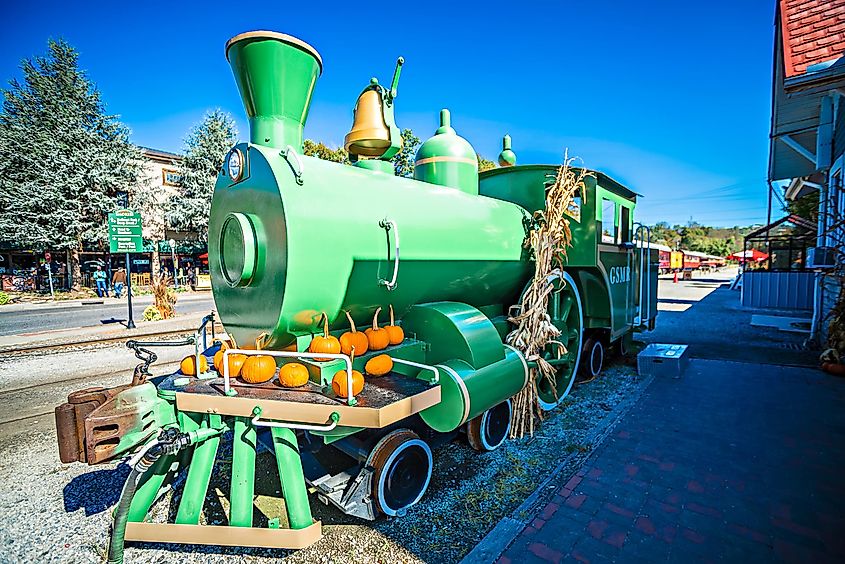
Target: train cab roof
[[515, 184]]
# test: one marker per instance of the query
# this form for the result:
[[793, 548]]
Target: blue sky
[[671, 98]]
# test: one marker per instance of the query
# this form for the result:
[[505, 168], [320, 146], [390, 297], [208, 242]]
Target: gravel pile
[[61, 513]]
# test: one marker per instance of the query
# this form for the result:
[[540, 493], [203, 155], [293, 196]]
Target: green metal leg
[[199, 474], [243, 473], [147, 491], [293, 480]]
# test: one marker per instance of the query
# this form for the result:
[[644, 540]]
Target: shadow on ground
[[95, 491]]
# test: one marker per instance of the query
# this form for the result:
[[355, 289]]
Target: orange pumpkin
[[293, 375], [236, 362], [377, 337], [340, 381], [353, 339], [379, 365], [259, 368], [189, 365], [324, 343], [394, 332]]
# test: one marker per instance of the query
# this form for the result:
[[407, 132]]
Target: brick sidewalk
[[734, 462]]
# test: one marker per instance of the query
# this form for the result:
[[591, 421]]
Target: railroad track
[[31, 348], [55, 397]]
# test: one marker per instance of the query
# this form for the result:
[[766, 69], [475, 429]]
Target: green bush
[[152, 314], [4, 298]]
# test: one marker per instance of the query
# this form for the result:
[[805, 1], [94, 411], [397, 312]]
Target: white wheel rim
[[381, 482], [485, 421]]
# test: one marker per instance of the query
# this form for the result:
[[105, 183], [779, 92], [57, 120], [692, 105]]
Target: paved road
[[49, 317], [707, 316]]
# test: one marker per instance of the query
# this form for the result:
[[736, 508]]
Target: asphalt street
[[50, 317]]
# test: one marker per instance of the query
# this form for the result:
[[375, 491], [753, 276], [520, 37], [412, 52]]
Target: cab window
[[625, 225], [608, 221]]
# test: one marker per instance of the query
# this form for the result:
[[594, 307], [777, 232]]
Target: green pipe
[[292, 478], [148, 489], [243, 473], [169, 440], [199, 474]]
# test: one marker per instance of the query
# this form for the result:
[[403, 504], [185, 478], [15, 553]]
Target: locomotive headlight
[[235, 164]]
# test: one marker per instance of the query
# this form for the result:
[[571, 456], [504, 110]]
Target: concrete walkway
[[740, 460]]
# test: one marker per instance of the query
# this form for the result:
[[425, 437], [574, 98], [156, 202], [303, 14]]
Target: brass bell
[[370, 136], [374, 132]]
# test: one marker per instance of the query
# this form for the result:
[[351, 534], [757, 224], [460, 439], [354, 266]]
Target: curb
[[500, 537]]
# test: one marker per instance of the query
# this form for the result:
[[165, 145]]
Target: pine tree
[[322, 151], [205, 149], [63, 160], [403, 161]]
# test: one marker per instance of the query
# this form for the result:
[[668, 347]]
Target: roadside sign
[[48, 257], [125, 234]]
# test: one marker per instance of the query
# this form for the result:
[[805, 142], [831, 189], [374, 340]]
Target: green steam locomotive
[[302, 251]]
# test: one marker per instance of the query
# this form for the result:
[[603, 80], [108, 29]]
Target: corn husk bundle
[[165, 297], [548, 241]]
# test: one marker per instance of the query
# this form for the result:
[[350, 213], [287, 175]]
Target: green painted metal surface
[[466, 392], [276, 79], [454, 330], [148, 489], [243, 473], [199, 474], [319, 246], [292, 478], [447, 159], [153, 414]]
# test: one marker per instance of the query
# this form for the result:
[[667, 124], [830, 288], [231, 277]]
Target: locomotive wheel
[[490, 429], [567, 314], [402, 463], [593, 358]]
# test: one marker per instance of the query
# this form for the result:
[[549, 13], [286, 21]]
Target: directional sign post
[[125, 236]]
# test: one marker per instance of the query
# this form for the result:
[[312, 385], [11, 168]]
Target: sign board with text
[[125, 232]]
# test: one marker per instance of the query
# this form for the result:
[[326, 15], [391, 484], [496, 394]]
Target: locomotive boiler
[[302, 251]]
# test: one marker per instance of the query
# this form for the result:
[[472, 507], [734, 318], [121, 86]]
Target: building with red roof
[[807, 139]]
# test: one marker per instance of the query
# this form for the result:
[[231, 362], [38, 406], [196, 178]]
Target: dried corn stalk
[[548, 240], [165, 297]]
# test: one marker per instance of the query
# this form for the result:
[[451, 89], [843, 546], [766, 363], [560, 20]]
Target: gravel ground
[[60, 513]]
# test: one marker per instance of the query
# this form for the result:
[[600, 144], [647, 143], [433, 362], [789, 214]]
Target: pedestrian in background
[[100, 280], [118, 280]]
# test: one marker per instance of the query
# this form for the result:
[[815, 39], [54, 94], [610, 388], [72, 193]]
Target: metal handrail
[[644, 273], [389, 224], [431, 381], [350, 398], [334, 418]]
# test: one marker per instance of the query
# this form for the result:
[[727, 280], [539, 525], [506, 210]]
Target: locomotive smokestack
[[276, 74]]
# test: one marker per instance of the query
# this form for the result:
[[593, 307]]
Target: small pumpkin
[[293, 375], [324, 343], [394, 332], [353, 339], [236, 362], [377, 337], [258, 369], [340, 381], [379, 365], [189, 365]]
